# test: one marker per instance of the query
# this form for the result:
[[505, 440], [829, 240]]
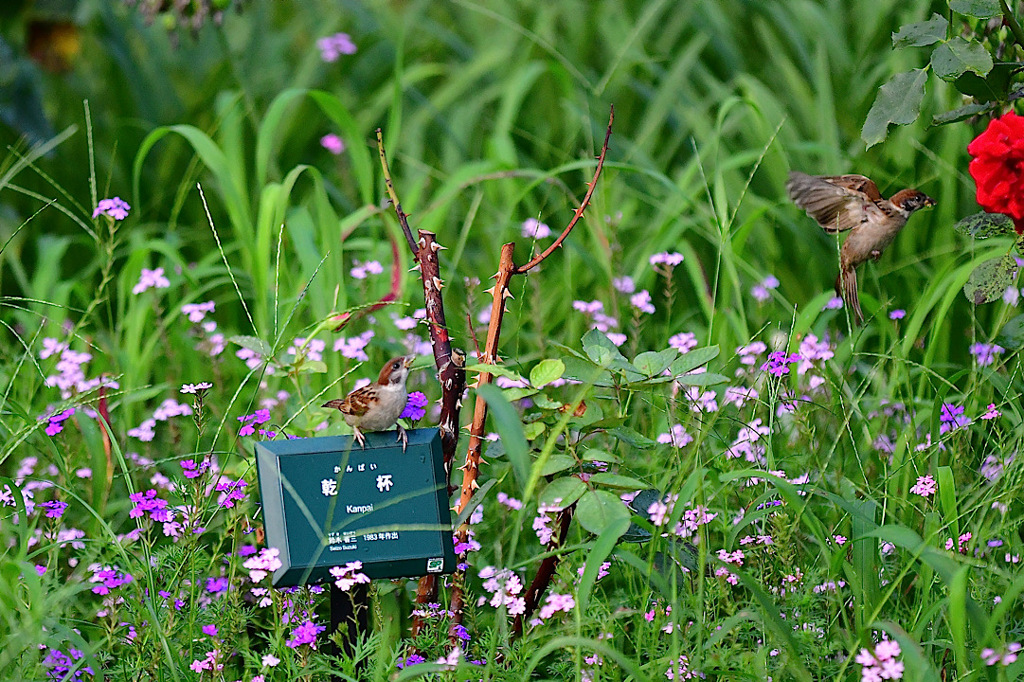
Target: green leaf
[[979, 9], [961, 113], [546, 371], [562, 491], [921, 33], [585, 371], [594, 455], [898, 101], [985, 225], [601, 512], [313, 367], [1011, 336], [653, 363], [958, 56], [510, 429], [632, 438], [687, 362], [495, 370], [253, 343], [557, 463], [617, 481], [702, 379], [601, 350], [533, 430], [995, 87], [989, 280], [518, 393]]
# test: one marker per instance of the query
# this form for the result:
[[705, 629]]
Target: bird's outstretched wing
[[837, 202]]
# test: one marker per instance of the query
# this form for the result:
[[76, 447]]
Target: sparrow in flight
[[852, 203], [377, 406]]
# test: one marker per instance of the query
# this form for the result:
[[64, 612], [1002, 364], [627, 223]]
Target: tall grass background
[[492, 114]]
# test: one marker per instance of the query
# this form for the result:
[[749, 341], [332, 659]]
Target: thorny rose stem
[[442, 353], [450, 363]]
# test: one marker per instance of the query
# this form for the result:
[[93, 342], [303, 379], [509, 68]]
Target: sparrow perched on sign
[[377, 406], [852, 203]]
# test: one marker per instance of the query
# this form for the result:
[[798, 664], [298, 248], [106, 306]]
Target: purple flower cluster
[[332, 143], [349, 575], [952, 417], [881, 664], [251, 421], [56, 421], [107, 578], [116, 208], [151, 279], [534, 229], [230, 491], [61, 664], [354, 348], [778, 363], [415, 407], [305, 633], [332, 47]]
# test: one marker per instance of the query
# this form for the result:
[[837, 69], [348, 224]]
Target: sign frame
[[355, 513]]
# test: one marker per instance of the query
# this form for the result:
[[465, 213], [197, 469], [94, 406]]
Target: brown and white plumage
[[852, 203], [377, 406]]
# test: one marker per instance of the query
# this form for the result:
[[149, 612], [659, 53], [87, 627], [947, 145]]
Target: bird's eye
[[396, 365]]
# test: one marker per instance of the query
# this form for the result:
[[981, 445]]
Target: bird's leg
[[358, 435], [403, 438]]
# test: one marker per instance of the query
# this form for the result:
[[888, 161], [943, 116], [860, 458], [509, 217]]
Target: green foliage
[[492, 115]]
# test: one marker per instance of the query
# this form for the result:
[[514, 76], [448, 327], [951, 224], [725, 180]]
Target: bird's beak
[[409, 359], [928, 201]]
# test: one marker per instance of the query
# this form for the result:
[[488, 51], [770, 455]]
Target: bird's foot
[[358, 435], [403, 438]]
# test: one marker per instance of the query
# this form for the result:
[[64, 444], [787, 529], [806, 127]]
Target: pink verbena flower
[[116, 208]]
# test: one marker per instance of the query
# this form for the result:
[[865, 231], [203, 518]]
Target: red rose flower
[[998, 167]]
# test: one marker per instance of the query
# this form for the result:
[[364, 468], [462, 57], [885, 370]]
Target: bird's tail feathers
[[846, 286]]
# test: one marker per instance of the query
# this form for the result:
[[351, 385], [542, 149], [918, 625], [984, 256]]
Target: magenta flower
[[683, 342], [305, 633], [232, 491], [778, 363], [116, 208], [951, 418], [762, 290], [349, 575], [415, 407], [897, 314], [54, 509], [56, 421], [332, 47], [363, 270], [265, 563], [642, 302], [196, 312], [925, 486], [194, 389], [151, 279], [670, 259], [985, 353], [624, 284], [332, 143], [534, 229]]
